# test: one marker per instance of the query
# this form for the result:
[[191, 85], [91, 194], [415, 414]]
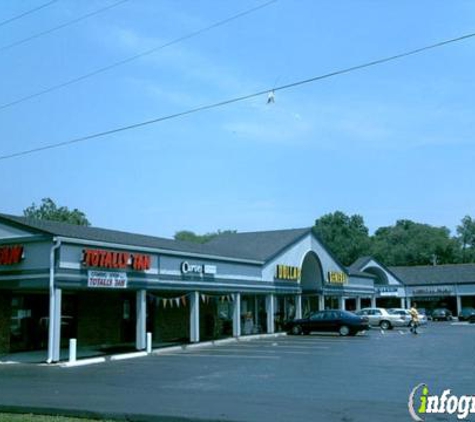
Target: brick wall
[[5, 315]]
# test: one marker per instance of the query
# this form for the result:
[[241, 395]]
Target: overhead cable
[[135, 57], [62, 26], [236, 99], [28, 12]]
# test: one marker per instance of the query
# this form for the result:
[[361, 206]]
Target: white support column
[[342, 303], [56, 323], [403, 303], [321, 303], [358, 303], [459, 305], [141, 324], [373, 301], [298, 306], [237, 315], [194, 317], [408, 302], [270, 313]]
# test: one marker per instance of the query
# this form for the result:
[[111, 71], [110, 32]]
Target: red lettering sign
[[118, 260], [10, 255]]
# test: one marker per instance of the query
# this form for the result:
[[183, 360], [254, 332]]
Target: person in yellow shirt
[[414, 318]]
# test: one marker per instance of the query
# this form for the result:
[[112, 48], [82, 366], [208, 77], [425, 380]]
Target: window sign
[[107, 279]]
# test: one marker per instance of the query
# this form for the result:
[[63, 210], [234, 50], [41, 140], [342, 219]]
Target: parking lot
[[288, 378]]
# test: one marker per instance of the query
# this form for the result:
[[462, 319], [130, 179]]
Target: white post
[[57, 325], [237, 315], [298, 306], [408, 302], [373, 301], [72, 350], [358, 303], [459, 305], [141, 324], [402, 302], [321, 303], [149, 343], [342, 303], [194, 317], [270, 313]]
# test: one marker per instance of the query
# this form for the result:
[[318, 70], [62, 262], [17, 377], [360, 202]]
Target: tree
[[189, 236], [410, 243], [466, 238], [48, 210], [346, 236]]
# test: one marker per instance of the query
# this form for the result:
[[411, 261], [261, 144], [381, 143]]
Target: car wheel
[[385, 325], [297, 330], [344, 330]]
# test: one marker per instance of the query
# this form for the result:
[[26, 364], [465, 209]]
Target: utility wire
[[28, 12], [236, 99], [57, 28], [137, 56]]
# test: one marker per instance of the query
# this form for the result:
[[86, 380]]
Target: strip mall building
[[108, 288]]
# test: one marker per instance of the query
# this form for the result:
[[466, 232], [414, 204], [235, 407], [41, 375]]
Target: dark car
[[466, 313], [441, 314], [342, 322]]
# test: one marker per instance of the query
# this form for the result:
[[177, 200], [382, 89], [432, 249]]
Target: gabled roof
[[111, 236], [435, 274], [359, 264], [257, 245]]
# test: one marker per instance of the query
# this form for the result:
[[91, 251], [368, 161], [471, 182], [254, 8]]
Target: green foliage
[[48, 210], [410, 243], [189, 236], [346, 236], [466, 239]]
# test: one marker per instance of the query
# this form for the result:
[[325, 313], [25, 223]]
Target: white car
[[380, 317], [407, 316]]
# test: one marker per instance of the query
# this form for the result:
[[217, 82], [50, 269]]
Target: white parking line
[[199, 355]]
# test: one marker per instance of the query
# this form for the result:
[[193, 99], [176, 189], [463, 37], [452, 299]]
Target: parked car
[[441, 314], [407, 316], [380, 317], [471, 319], [466, 313], [342, 322]]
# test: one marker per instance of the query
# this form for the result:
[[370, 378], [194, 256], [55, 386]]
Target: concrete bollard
[[149, 342], [72, 350]]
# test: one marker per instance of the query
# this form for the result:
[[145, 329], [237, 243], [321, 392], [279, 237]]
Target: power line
[[235, 99], [137, 56], [28, 12], [57, 28]]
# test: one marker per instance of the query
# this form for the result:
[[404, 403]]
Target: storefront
[[107, 289], [439, 286]]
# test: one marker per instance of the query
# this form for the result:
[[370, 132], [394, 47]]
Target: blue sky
[[390, 142]]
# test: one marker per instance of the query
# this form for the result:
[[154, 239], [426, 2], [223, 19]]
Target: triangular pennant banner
[[177, 301], [164, 301], [183, 300], [203, 298]]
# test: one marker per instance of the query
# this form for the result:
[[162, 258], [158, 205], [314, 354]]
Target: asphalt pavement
[[285, 379]]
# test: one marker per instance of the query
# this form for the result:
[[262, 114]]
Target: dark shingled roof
[[359, 263], [435, 274], [111, 236], [257, 245]]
